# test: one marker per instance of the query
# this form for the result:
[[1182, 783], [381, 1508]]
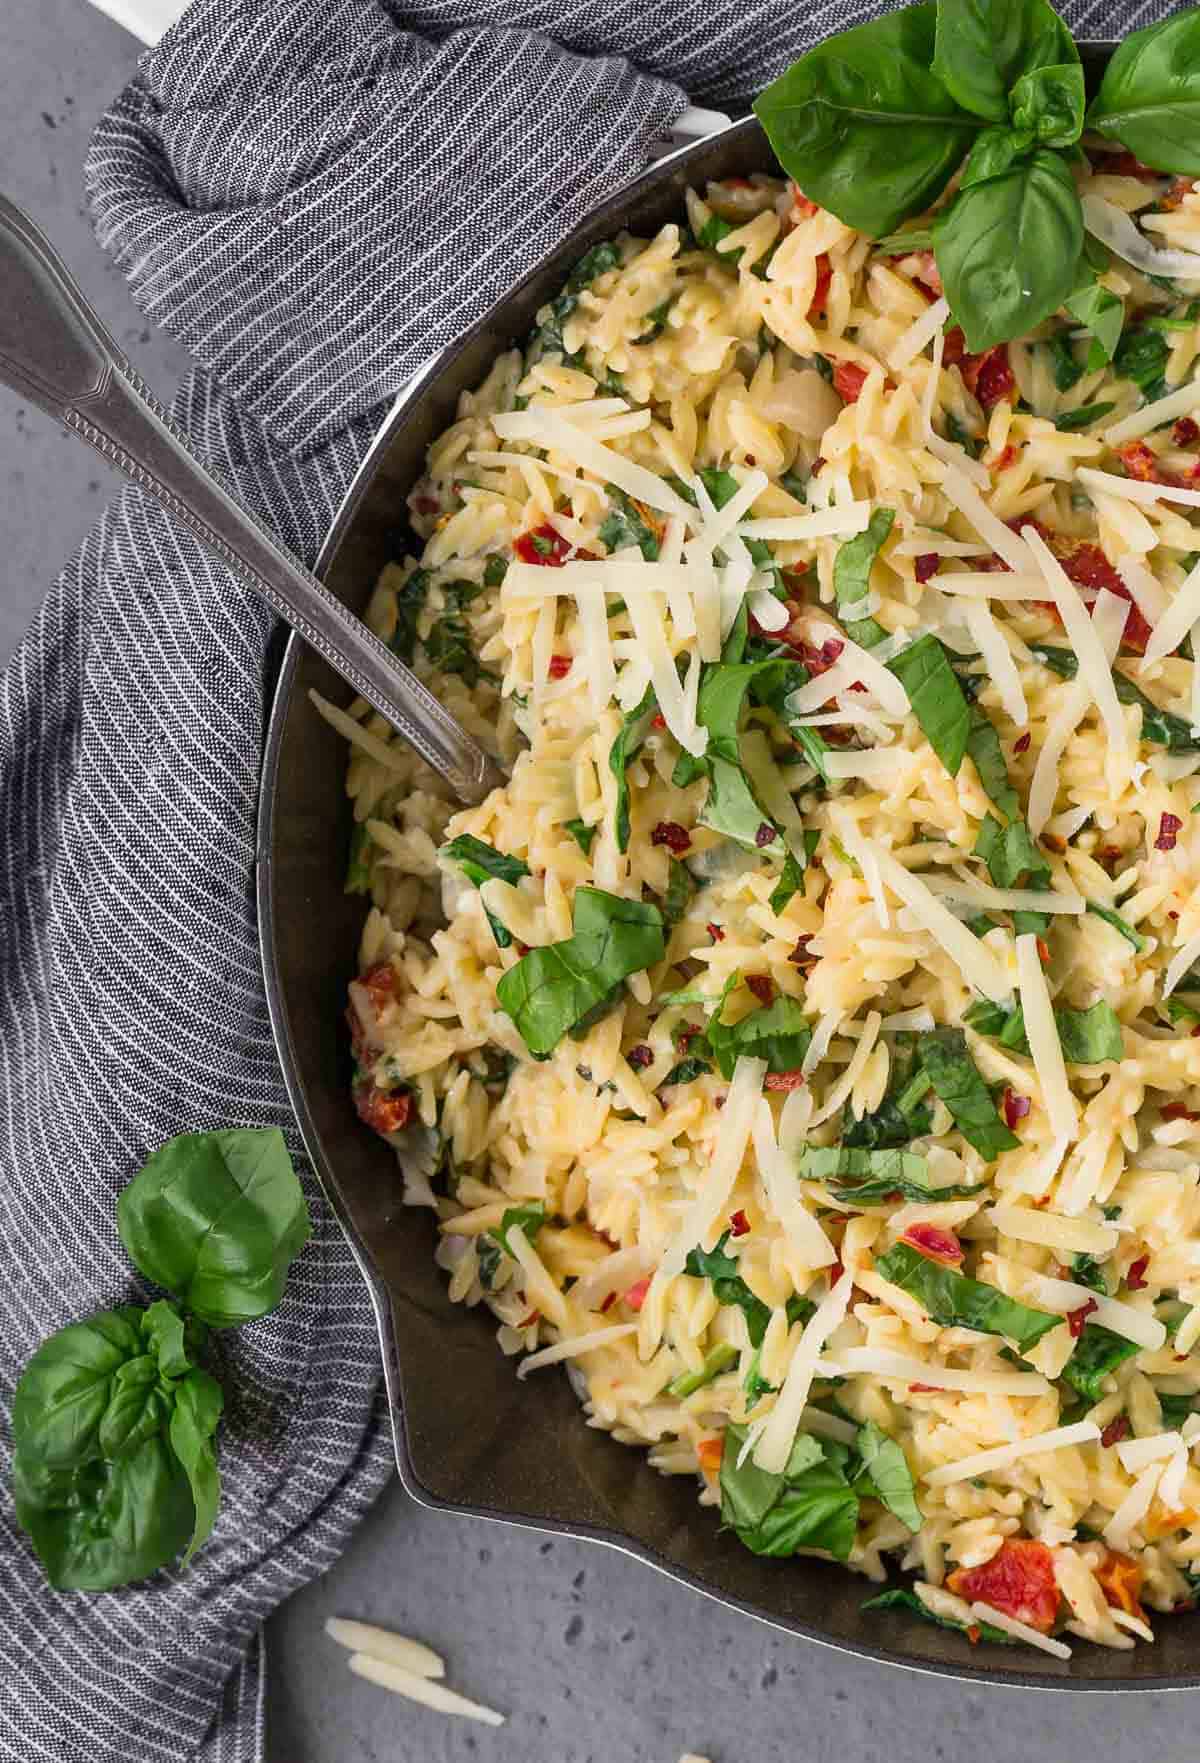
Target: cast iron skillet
[[469, 1437]]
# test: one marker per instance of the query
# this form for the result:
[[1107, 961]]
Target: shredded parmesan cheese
[[574, 1348], [542, 426], [901, 1368], [1178, 618], [919, 333], [1071, 1236], [1094, 665], [1001, 1456], [420, 1689], [1042, 1035], [775, 1443], [1123, 1319], [1021, 1631], [1001, 667], [1151, 416], [380, 1643]]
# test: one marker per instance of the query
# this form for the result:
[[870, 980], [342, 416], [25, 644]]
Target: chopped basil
[[1087, 1037], [987, 755], [810, 1506], [730, 1288], [1068, 369], [624, 748], [788, 885], [1160, 727], [884, 1471], [1141, 356], [777, 1032], [1010, 853], [951, 1070], [731, 806], [901, 1598], [1086, 1271], [480, 862], [626, 524], [582, 835], [936, 697], [852, 577], [681, 886], [1103, 314], [1098, 1352], [494, 571], [1068, 421], [956, 1301], [901, 1116], [493, 1243], [557, 987], [409, 600], [867, 1178], [1119, 924], [686, 1072]]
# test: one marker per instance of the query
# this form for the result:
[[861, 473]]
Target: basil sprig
[[874, 123]]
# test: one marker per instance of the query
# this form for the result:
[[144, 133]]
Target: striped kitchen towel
[[312, 195]]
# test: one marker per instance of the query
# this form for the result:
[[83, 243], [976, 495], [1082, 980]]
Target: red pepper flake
[[783, 1080], [1186, 432], [686, 1032], [816, 660], [1142, 463], [765, 834], [761, 986], [935, 1243], [924, 1389], [560, 666], [802, 208], [658, 720], [715, 932], [989, 375], [1115, 1431], [544, 545], [800, 956], [739, 1224], [384, 1111], [1169, 828], [672, 835], [974, 1633], [635, 1297], [821, 286], [1018, 1580], [926, 565], [608, 1302], [1016, 1107], [1077, 1318], [1043, 949], [639, 1058], [1179, 1111], [1004, 460], [836, 1272], [848, 381], [528, 1321], [1021, 744], [1136, 1279]]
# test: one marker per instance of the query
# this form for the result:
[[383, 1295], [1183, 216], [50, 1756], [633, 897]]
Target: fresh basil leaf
[[198, 1404], [885, 1469], [887, 1128], [950, 1068], [852, 577], [1175, 1409], [626, 524], [778, 1032], [1086, 1271], [479, 862], [1162, 728], [994, 152], [1098, 1352], [1009, 852], [868, 1177], [1103, 314], [172, 1339], [552, 988], [904, 243], [983, 47], [721, 1270], [901, 1598], [494, 571], [410, 598], [936, 697], [1007, 249], [958, 1302], [1050, 102], [1068, 369], [1141, 356], [64, 1391], [105, 1522], [987, 755], [1149, 98], [1089, 1037], [1070, 421], [527, 1219], [582, 834], [358, 865], [1121, 925], [731, 806], [788, 885], [633, 732], [810, 1506], [217, 1218], [864, 125], [686, 1072]]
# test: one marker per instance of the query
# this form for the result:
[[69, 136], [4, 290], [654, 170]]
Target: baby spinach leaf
[[1049, 102], [788, 885], [1089, 1037], [717, 1360], [1141, 356], [985, 751], [1086, 1271], [983, 47], [198, 1404], [633, 732], [551, 988], [852, 577], [1149, 98], [480, 861], [217, 1218], [778, 1032], [902, 1598], [1069, 421], [626, 524], [958, 1302], [1121, 925], [1103, 314], [1098, 1352], [810, 1506], [1030, 217], [867, 1178], [582, 834], [1162, 728], [936, 697], [864, 125], [686, 1072], [1010, 853], [954, 1075], [884, 1468]]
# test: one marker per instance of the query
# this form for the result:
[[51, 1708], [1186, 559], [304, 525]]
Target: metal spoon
[[55, 351]]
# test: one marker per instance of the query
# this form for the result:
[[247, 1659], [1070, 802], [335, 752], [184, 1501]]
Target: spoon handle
[[55, 351]]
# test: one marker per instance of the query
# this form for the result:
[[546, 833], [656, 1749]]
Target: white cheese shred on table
[[729, 1148], [1021, 1631], [1042, 1034], [381, 1643], [420, 1689], [775, 1442], [1083, 1432]]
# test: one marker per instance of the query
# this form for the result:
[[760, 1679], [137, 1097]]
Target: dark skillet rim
[[598, 227]]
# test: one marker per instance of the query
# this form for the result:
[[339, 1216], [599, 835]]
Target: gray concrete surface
[[596, 1659]]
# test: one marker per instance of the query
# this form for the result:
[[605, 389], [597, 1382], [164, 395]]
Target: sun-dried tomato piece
[[849, 380], [672, 835], [1077, 1318], [761, 986], [715, 932], [1176, 191], [1115, 1431], [709, 1453], [926, 565], [379, 983], [989, 376], [783, 1080], [635, 1297], [936, 1244], [816, 660], [765, 835], [1124, 165], [560, 666], [1120, 1579], [1185, 432], [543, 545], [385, 1111], [739, 1224], [1018, 1580], [1169, 828], [1136, 1279], [821, 288], [1016, 1107], [1179, 1111], [639, 1058], [1021, 744], [800, 956]]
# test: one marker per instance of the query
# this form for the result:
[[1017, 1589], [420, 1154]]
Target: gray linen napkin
[[312, 195]]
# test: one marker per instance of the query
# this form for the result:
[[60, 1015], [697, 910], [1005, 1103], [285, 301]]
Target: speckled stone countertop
[[597, 1659]]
